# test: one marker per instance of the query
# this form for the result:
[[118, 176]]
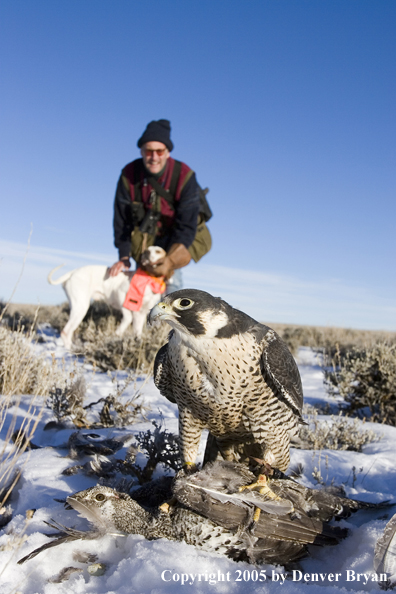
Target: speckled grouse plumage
[[229, 374], [215, 516]]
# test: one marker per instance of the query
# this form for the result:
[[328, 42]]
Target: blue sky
[[285, 109]]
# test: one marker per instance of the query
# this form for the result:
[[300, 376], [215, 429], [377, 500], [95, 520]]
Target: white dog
[[94, 283]]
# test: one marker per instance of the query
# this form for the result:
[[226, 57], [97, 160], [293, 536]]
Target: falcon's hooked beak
[[162, 311]]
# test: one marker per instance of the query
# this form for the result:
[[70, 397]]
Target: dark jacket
[[177, 227]]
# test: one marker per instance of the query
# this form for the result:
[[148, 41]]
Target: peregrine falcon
[[228, 374]]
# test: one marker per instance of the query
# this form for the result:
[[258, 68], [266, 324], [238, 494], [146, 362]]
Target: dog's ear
[[145, 257]]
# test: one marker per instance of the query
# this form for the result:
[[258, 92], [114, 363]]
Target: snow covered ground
[[134, 565]]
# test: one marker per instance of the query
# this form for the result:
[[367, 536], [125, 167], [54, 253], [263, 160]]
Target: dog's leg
[[67, 338], [77, 313], [139, 319], [125, 322]]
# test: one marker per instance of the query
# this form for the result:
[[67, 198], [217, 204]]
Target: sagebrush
[[337, 433], [366, 379], [67, 403], [329, 340], [161, 447]]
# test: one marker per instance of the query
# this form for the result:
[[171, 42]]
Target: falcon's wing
[[233, 513], [281, 371], [162, 377]]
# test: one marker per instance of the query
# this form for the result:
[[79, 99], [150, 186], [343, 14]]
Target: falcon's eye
[[184, 303], [100, 497]]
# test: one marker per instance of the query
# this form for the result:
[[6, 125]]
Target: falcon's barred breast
[[228, 374]]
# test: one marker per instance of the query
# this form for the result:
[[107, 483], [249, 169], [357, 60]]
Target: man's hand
[[120, 266]]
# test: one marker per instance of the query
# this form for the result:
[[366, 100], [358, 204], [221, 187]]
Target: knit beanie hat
[[158, 131]]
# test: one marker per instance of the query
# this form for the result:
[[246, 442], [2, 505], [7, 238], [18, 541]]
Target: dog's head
[[151, 255]]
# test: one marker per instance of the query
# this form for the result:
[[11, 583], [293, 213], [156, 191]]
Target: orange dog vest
[[140, 280]]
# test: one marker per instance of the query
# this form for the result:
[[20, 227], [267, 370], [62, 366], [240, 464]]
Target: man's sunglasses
[[150, 152]]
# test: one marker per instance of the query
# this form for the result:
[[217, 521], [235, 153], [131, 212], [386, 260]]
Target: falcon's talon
[[262, 486], [261, 483], [189, 468], [262, 480], [166, 506], [265, 490], [256, 516]]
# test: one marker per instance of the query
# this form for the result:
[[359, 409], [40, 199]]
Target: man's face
[[155, 155]]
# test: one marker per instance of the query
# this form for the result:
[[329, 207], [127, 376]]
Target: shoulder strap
[[161, 191], [175, 178], [169, 195], [136, 173]]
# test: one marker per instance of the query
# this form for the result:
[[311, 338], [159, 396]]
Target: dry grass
[[27, 317], [12, 462], [16, 441], [109, 353], [21, 370], [95, 338], [330, 339]]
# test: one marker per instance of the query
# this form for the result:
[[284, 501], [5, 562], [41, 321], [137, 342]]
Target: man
[[173, 223]]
